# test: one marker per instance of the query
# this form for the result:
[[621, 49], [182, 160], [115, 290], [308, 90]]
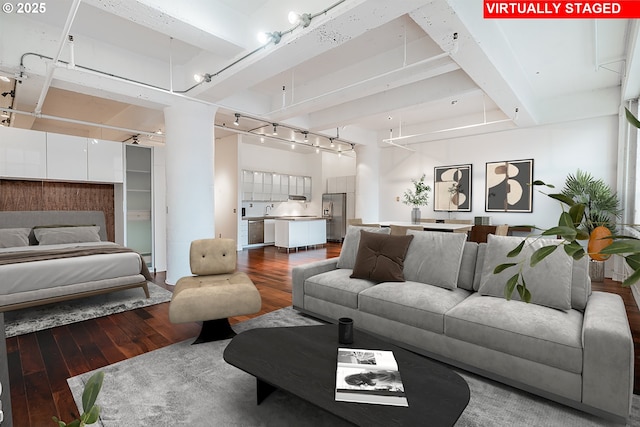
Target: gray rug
[[192, 385], [34, 319]]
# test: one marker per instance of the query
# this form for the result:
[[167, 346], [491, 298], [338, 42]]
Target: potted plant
[[602, 208], [417, 197], [576, 218], [91, 411]]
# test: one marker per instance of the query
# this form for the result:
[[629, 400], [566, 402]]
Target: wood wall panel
[[18, 195]]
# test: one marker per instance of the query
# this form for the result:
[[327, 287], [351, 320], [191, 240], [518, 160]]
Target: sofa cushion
[[337, 287], [380, 257], [468, 266], [434, 258], [349, 249], [412, 303], [477, 276], [580, 283], [549, 281], [533, 332]]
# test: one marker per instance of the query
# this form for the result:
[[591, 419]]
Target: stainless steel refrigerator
[[334, 210]]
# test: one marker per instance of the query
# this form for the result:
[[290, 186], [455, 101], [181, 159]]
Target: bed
[[51, 256]]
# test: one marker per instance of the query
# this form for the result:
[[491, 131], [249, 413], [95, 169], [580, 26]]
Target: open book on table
[[369, 376]]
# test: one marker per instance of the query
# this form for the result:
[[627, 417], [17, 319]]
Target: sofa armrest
[[301, 273], [607, 372]]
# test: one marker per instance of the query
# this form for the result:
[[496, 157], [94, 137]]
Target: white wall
[[334, 166], [226, 187], [557, 150]]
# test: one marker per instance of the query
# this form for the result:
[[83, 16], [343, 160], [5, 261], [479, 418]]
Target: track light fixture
[[11, 93], [297, 19], [202, 77], [274, 37], [337, 146], [135, 139]]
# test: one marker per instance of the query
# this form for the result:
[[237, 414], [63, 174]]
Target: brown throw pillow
[[380, 257]]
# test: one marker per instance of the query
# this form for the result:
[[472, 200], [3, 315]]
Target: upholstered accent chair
[[215, 292]]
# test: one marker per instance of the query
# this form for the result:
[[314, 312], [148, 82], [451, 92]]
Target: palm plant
[[602, 206]]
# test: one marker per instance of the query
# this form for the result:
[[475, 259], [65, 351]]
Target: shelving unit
[[139, 201]]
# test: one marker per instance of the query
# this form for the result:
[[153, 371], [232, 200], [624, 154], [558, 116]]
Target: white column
[[189, 173], [367, 183]]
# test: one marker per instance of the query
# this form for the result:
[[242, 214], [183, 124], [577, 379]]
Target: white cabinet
[[300, 233], [244, 233], [23, 153], [273, 187], [269, 231], [105, 161], [66, 157]]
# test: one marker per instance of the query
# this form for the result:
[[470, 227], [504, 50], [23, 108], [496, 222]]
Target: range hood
[[297, 198]]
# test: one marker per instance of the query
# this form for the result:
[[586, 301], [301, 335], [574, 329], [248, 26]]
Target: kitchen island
[[300, 232]]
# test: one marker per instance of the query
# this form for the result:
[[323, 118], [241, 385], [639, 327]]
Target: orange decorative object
[[598, 241]]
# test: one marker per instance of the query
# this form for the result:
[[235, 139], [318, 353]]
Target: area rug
[[192, 385], [34, 319]]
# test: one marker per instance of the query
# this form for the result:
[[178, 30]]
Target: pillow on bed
[[14, 237], [58, 235]]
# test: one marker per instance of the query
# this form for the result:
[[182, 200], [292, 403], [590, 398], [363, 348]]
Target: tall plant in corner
[[571, 229]]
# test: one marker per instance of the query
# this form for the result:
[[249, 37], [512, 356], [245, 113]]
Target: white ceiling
[[364, 70]]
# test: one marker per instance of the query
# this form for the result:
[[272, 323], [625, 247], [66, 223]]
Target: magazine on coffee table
[[369, 376]]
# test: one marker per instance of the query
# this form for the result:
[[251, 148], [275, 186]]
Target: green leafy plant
[[579, 216], [418, 195], [91, 411], [602, 206]]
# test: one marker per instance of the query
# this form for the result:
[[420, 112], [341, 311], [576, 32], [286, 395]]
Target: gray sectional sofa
[[568, 344]]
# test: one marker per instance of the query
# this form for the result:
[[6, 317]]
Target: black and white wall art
[[508, 186], [452, 188]]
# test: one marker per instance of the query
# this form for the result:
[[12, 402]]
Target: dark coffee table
[[302, 360]]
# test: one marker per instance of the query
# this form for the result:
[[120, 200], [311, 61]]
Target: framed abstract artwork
[[508, 186], [452, 188]]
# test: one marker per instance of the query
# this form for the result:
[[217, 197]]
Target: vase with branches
[[417, 197]]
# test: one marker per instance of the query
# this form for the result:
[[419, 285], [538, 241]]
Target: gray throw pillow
[[54, 236], [434, 258], [14, 237], [549, 281], [351, 242]]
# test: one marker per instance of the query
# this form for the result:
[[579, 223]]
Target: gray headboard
[[29, 219]]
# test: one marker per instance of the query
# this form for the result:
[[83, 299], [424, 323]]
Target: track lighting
[[274, 37], [202, 77], [296, 18], [11, 93], [262, 131], [4, 114], [135, 140]]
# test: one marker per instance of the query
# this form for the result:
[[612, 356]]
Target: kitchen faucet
[[267, 210]]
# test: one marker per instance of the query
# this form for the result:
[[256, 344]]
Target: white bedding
[[36, 275]]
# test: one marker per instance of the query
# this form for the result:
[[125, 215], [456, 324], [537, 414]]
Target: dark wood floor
[[41, 362]]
